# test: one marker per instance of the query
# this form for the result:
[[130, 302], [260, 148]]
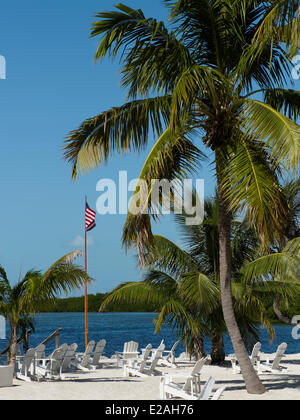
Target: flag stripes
[[90, 216]]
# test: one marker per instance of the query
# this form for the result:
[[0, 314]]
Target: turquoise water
[[117, 328]]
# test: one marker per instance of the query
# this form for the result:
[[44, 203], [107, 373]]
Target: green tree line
[[76, 304]]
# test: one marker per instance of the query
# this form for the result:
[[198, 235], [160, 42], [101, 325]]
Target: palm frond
[[166, 255], [284, 100], [250, 185], [280, 134], [119, 130], [136, 292]]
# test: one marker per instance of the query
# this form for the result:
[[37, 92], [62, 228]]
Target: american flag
[[90, 216]]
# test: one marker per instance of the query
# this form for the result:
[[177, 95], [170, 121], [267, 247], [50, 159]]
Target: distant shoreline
[[76, 304]]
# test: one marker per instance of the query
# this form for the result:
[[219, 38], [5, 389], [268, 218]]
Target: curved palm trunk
[[217, 353], [252, 381], [279, 314]]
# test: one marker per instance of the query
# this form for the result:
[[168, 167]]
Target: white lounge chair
[[169, 359], [130, 351], [51, 368], [95, 360], [254, 357], [24, 365], [191, 387], [142, 360], [82, 360], [142, 369], [6, 376], [274, 367], [69, 357], [206, 393]]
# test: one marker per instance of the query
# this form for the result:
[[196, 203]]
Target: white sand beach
[[109, 384]]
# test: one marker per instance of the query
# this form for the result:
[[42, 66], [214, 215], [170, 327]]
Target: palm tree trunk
[[198, 350], [252, 381], [13, 344], [217, 353], [280, 315]]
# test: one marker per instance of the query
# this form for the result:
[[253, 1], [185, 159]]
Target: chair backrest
[[145, 357], [56, 360], [88, 351], [130, 347], [156, 357], [279, 355], [172, 351], [198, 366], [98, 351], [27, 360], [147, 351], [207, 390], [255, 351], [69, 355], [194, 374], [40, 351], [218, 393]]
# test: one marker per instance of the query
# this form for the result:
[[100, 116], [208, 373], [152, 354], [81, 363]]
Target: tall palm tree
[[26, 297], [184, 285], [292, 192], [202, 74]]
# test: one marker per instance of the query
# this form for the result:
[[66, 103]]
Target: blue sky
[[52, 85]]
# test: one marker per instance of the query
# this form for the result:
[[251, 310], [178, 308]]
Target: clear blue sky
[[52, 85]]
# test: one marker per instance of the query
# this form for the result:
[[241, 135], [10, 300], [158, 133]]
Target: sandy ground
[[109, 384]]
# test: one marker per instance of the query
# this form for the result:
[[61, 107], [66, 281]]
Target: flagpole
[[85, 284]]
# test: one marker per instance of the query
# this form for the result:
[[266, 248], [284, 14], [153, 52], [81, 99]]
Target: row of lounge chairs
[[266, 366], [34, 365]]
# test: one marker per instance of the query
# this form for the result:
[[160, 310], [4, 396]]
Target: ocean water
[[118, 328]]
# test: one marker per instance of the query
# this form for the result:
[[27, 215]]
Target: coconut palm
[[292, 192], [184, 285], [26, 297], [192, 83]]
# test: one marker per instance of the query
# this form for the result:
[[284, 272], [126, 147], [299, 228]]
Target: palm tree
[[26, 297], [292, 192], [184, 285], [202, 73]]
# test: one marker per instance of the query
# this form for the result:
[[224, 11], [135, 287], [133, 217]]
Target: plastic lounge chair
[[254, 357], [24, 365], [191, 387], [274, 367], [142, 360], [6, 376], [51, 368], [69, 357], [130, 351], [169, 359], [94, 363], [82, 360], [143, 370]]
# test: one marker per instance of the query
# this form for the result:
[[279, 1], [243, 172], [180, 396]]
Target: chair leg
[[162, 389]]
